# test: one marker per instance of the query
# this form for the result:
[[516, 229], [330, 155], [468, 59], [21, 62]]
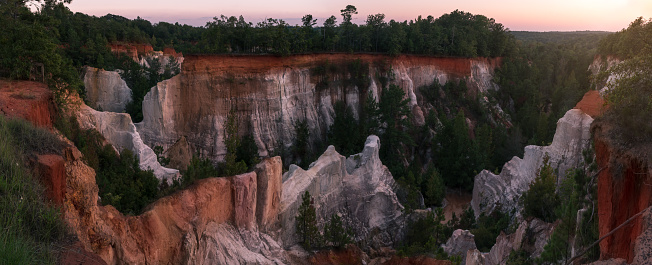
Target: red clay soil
[[28, 100], [75, 254], [592, 104], [350, 255], [52, 169], [171, 52], [250, 64], [131, 49], [421, 260], [624, 189]]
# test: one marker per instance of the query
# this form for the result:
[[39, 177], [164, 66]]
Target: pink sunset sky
[[548, 15]]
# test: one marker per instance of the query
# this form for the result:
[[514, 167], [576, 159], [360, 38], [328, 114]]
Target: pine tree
[[336, 233], [435, 188], [307, 223]]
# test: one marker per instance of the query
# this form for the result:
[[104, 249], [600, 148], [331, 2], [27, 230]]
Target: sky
[[548, 15]]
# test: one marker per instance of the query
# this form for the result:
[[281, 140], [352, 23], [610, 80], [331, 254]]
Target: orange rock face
[[53, 175], [28, 100], [623, 190], [132, 50], [171, 52], [251, 64], [270, 185], [350, 255], [158, 235], [592, 104], [244, 196]]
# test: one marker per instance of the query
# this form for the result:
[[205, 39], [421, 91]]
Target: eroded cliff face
[[119, 131], [599, 69], [359, 189], [270, 94], [491, 191], [213, 221], [623, 190], [530, 236], [105, 90]]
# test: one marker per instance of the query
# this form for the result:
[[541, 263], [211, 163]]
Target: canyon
[[252, 215]]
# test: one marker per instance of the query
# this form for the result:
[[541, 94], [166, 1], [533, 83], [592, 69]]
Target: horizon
[[553, 15]]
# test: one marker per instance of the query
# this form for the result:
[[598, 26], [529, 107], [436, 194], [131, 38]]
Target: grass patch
[[29, 226]]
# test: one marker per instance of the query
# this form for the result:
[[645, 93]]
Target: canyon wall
[[502, 191], [623, 190], [270, 94], [119, 131], [624, 179], [105, 90], [572, 136]]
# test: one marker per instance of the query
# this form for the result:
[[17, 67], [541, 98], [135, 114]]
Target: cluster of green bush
[[427, 234], [28, 224], [335, 233], [118, 175]]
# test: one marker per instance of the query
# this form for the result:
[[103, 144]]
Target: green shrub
[[198, 169], [540, 200], [425, 235], [247, 151], [520, 257], [336, 233], [122, 183], [628, 111], [488, 228]]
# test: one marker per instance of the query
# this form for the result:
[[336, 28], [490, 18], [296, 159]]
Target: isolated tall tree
[[306, 223], [348, 27]]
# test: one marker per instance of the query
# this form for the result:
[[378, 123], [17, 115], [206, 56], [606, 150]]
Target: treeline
[[86, 38], [455, 34]]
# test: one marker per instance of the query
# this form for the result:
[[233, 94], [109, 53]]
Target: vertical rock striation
[[623, 190], [270, 94], [105, 90]]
